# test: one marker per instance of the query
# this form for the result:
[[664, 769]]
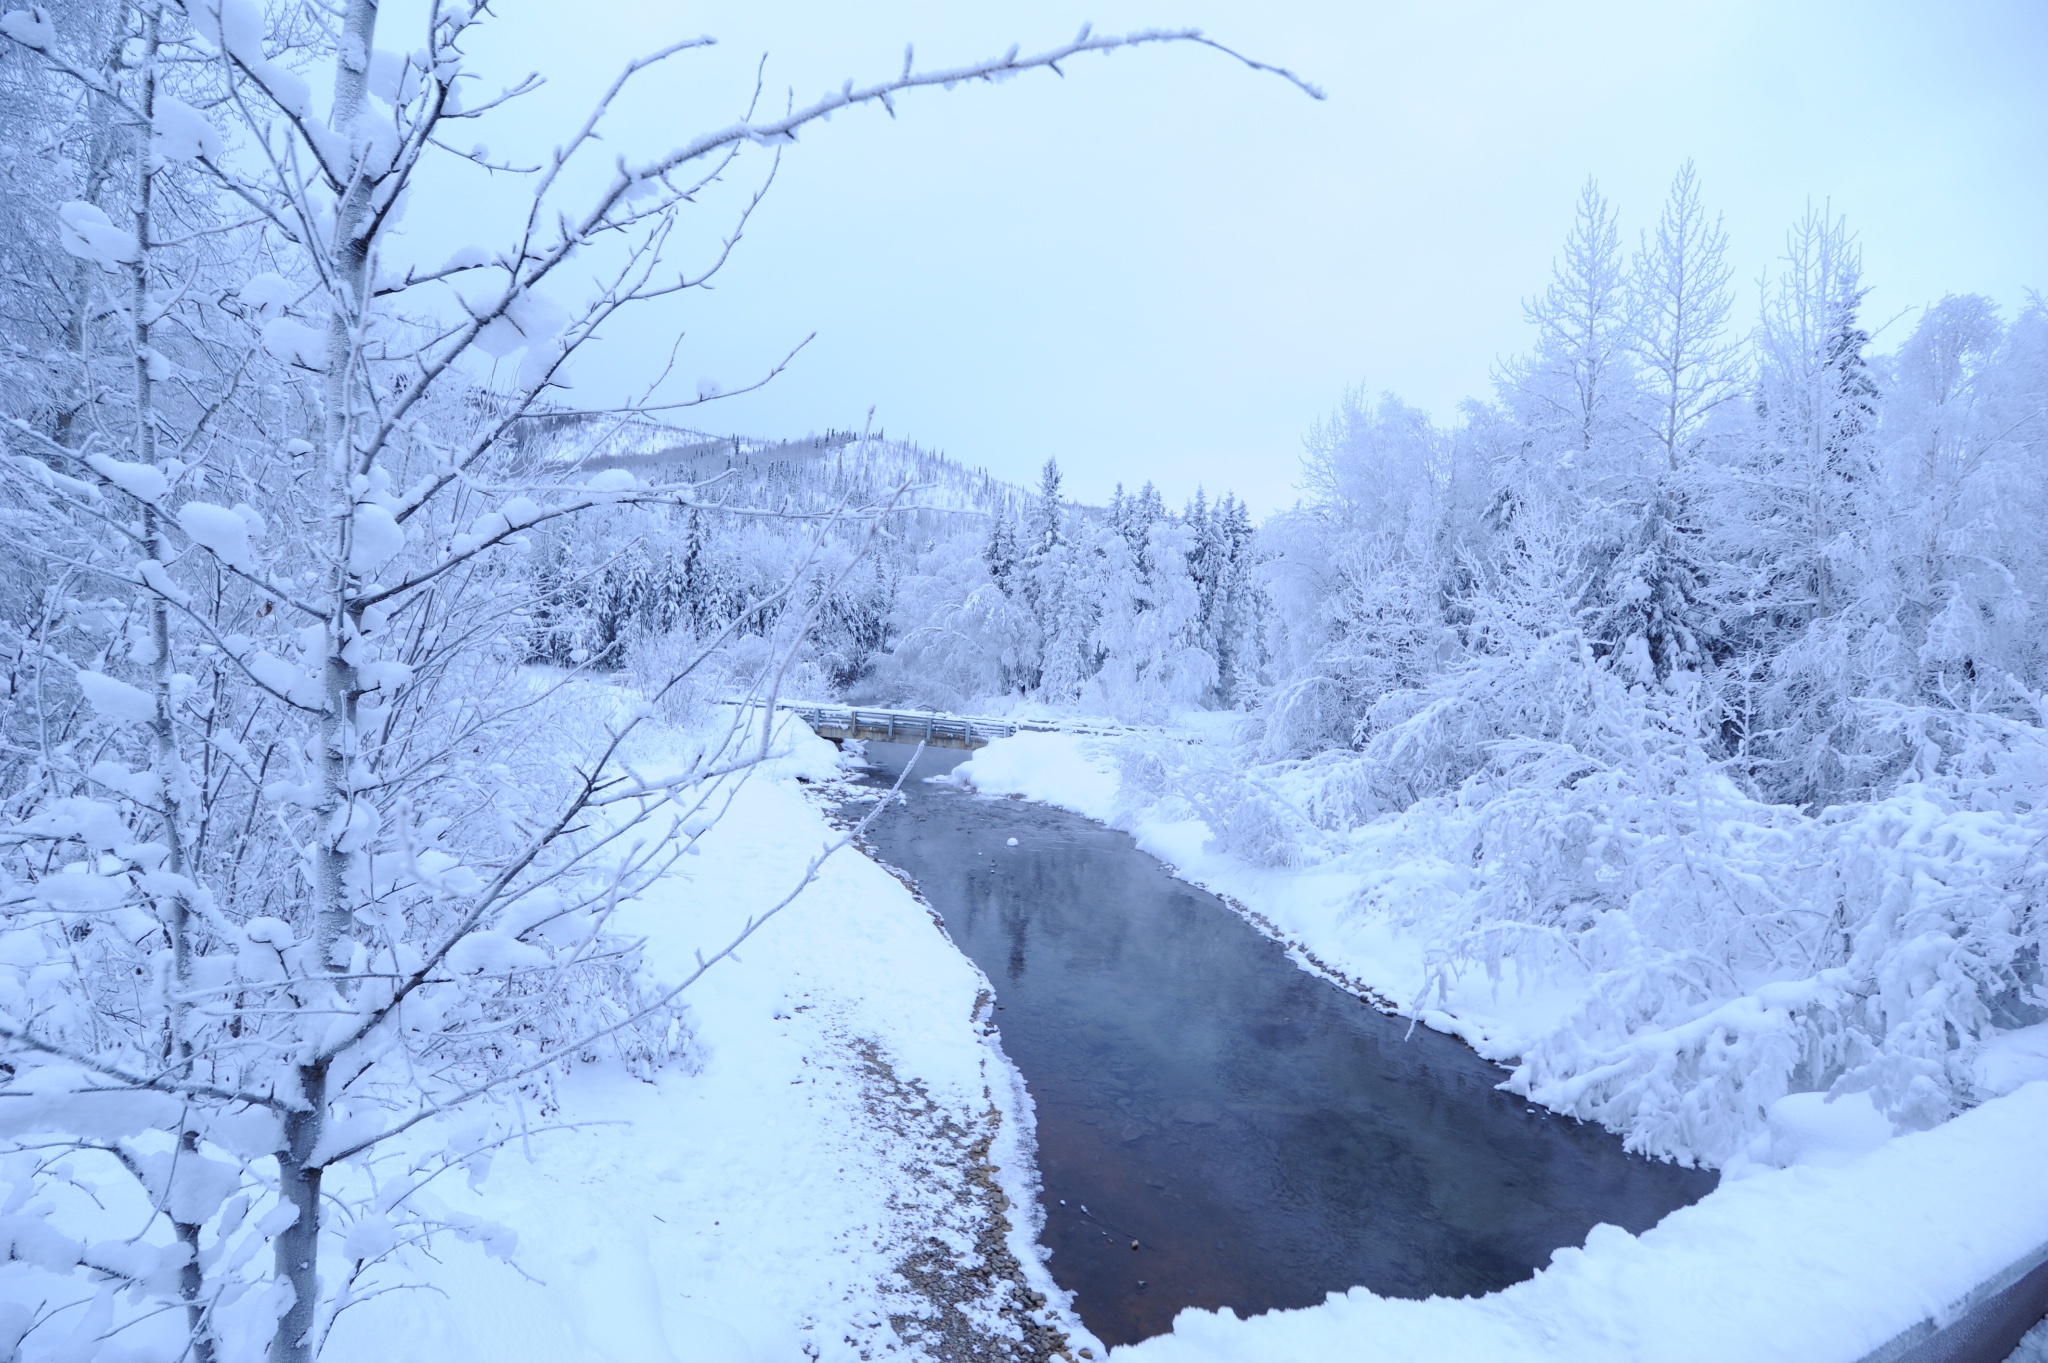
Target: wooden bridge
[[844, 723]]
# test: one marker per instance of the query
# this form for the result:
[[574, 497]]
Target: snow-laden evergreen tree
[[1000, 554], [1649, 603], [1045, 521], [1059, 578], [1809, 523], [1231, 606], [1220, 563]]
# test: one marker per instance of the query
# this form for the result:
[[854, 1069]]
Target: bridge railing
[[898, 726], [1985, 1326]]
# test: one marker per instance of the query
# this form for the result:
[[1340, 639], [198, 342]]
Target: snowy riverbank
[[824, 1186], [1857, 1238]]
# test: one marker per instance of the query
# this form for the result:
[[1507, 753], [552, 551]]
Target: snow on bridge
[[842, 723]]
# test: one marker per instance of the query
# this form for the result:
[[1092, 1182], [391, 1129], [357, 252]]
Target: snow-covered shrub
[[675, 673], [1732, 951], [1250, 819], [1306, 716]]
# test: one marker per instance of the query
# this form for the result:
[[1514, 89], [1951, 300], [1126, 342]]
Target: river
[[1261, 1135]]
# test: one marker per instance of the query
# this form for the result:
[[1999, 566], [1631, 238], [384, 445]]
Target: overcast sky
[[1167, 267]]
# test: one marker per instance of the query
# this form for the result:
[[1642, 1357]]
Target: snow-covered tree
[[1221, 563], [1578, 385], [1804, 513], [1679, 306], [1961, 420], [1151, 659], [299, 863]]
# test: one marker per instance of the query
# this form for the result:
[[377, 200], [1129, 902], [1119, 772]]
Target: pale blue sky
[[1167, 267]]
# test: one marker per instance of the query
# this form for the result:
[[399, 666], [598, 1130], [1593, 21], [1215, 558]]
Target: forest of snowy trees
[[1132, 611], [976, 594], [1824, 556]]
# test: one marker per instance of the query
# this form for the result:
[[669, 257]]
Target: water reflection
[[1264, 1136]]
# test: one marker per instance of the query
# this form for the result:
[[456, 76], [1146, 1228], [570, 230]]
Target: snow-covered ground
[[848, 1167], [1830, 1237]]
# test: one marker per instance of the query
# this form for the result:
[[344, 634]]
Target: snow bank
[[1809, 1265], [757, 1209], [2014, 1058], [1057, 769]]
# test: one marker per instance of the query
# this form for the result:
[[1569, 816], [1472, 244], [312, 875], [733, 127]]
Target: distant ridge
[[809, 470]]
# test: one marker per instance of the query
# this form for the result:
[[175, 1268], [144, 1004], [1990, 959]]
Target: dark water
[[1263, 1135]]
